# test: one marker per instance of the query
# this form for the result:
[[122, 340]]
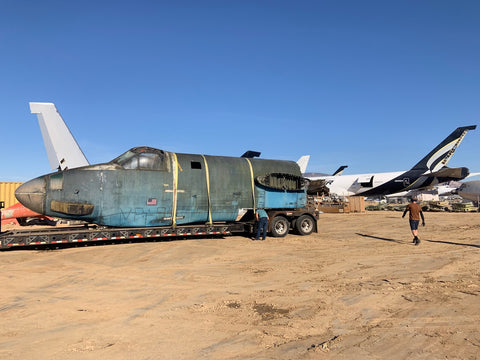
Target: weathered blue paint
[[149, 187]]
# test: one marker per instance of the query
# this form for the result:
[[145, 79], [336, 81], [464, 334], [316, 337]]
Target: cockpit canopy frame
[[143, 158]]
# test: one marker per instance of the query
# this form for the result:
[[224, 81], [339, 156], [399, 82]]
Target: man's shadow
[[381, 238], [432, 241], [453, 243]]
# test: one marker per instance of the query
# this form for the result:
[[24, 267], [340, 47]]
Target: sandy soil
[[359, 289]]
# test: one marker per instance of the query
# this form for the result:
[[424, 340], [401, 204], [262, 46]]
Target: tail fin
[[62, 149], [303, 162], [339, 171], [439, 157]]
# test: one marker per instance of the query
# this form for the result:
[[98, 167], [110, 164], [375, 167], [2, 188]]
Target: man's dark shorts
[[414, 224]]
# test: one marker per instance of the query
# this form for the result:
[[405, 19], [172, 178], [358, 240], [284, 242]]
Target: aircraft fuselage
[[151, 187]]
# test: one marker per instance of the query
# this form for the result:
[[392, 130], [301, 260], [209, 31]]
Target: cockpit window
[[143, 158], [150, 161], [130, 162]]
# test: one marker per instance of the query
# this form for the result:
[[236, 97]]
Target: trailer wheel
[[305, 225], [280, 226]]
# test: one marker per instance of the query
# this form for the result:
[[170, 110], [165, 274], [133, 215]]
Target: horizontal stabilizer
[[457, 173]]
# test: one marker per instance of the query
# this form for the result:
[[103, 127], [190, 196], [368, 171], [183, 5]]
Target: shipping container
[[7, 192]]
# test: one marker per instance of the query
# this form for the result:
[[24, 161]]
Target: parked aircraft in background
[[318, 187], [470, 190], [337, 172], [443, 189], [303, 162], [429, 171]]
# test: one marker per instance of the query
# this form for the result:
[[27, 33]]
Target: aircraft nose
[[32, 194]]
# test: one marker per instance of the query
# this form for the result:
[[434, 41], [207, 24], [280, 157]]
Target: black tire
[[280, 226], [305, 225]]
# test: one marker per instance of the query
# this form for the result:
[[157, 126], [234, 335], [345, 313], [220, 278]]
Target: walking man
[[415, 212], [262, 219]]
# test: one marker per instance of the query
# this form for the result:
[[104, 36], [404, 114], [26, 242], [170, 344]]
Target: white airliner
[[429, 171]]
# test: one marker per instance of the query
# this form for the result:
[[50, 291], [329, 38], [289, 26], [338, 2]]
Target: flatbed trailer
[[281, 222], [93, 234]]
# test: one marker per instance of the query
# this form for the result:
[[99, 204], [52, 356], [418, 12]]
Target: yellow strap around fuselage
[[207, 177], [175, 185], [252, 181]]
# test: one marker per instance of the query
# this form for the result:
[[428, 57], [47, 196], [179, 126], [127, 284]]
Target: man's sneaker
[[417, 241]]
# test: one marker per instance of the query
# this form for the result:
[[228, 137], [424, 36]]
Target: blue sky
[[374, 85]]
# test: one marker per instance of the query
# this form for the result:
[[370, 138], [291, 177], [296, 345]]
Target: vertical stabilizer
[[439, 157], [62, 149], [303, 162], [339, 171]]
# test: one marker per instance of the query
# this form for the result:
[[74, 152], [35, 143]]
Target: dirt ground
[[359, 289]]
